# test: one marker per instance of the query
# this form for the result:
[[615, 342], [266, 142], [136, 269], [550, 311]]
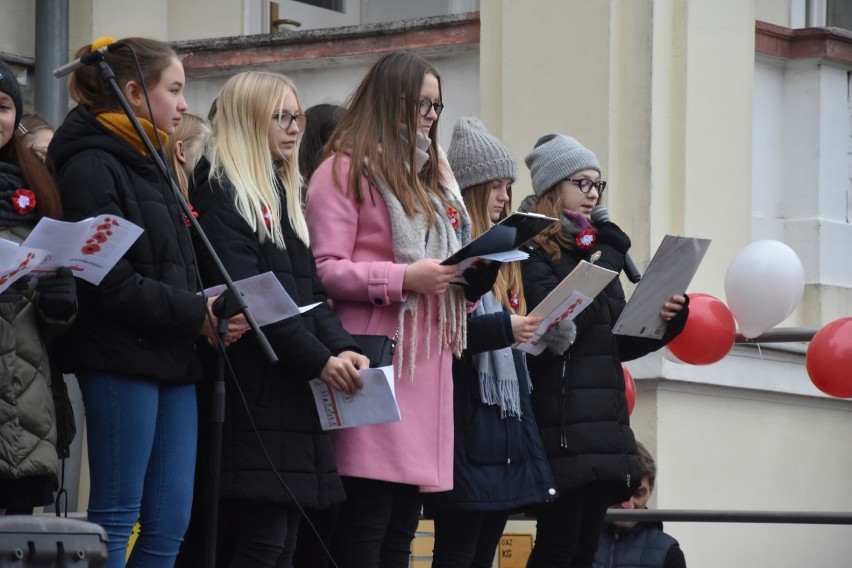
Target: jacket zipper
[[563, 393], [615, 537]]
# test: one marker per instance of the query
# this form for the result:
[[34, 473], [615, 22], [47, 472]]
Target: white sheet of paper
[[90, 248], [669, 272], [567, 300], [17, 261], [374, 404], [265, 297]]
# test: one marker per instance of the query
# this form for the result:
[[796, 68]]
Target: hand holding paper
[[567, 300], [90, 248], [373, 404]]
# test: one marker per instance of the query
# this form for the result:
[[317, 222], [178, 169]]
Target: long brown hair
[[509, 278], [554, 238], [369, 131], [87, 88]]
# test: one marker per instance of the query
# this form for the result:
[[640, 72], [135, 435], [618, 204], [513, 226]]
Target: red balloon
[[709, 332], [829, 359], [629, 390]]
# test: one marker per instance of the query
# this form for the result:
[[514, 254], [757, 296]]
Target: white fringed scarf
[[414, 240]]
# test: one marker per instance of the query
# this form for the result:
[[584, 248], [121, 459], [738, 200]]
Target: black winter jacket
[[499, 463], [279, 397], [144, 317], [643, 546], [578, 397]]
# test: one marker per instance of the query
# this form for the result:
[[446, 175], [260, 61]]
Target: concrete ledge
[[225, 55]]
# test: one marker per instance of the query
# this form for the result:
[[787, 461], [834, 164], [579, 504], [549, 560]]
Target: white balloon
[[764, 284]]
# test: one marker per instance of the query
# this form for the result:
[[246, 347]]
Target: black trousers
[[313, 552], [567, 531], [376, 524], [467, 539], [266, 536]]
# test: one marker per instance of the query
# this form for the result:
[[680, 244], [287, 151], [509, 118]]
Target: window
[[839, 14], [336, 5]]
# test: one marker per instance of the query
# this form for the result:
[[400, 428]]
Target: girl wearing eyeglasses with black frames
[[578, 397], [384, 210]]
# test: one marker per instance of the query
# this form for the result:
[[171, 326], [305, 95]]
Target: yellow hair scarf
[[119, 124]]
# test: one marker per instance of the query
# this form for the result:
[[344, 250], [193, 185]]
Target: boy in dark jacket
[[631, 543]]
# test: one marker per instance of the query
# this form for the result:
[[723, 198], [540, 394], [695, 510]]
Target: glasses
[[425, 105], [285, 119], [586, 185]]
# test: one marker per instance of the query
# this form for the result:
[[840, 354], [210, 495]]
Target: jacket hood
[[81, 131]]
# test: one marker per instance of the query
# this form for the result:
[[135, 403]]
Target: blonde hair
[[509, 278], [239, 151], [193, 131]]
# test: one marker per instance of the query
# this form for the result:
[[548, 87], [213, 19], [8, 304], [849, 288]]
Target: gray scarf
[[498, 377], [414, 240]]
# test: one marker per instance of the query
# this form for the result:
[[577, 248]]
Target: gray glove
[[560, 337]]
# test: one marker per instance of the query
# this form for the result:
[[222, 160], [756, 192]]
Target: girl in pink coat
[[383, 211]]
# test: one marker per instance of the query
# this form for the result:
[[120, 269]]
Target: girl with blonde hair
[[185, 147], [248, 203]]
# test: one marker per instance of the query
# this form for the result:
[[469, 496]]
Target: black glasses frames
[[586, 185], [425, 105]]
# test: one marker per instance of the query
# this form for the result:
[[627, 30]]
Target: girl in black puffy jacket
[[578, 397]]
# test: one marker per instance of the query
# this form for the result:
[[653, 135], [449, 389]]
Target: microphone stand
[[218, 402]]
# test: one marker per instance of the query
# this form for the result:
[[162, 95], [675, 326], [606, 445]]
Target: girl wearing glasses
[[383, 211], [248, 203], [578, 397]]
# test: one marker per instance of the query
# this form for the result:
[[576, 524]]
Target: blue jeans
[[142, 439]]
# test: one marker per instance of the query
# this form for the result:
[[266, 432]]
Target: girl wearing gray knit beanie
[[490, 381], [579, 400]]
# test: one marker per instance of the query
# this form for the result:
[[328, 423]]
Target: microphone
[[601, 215], [87, 59]]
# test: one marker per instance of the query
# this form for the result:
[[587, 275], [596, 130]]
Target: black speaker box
[[50, 542]]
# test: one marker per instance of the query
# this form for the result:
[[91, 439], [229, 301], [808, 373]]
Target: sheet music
[[90, 248], [567, 300], [265, 297], [373, 404], [505, 236], [669, 273]]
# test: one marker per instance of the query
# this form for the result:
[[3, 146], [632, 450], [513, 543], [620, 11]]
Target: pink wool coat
[[352, 243]]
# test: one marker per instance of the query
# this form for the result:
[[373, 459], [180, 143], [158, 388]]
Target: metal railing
[[774, 517]]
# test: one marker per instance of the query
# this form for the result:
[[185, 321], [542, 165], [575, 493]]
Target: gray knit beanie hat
[[9, 85], [476, 156], [557, 157]]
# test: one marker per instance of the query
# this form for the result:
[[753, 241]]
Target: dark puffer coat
[[279, 397], [578, 397], [643, 546], [498, 463], [144, 317]]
